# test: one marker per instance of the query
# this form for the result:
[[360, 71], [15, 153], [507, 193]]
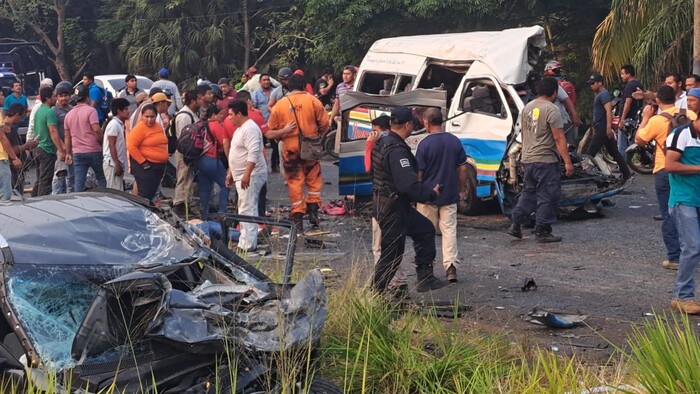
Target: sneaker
[[451, 274], [689, 306], [670, 265], [514, 230]]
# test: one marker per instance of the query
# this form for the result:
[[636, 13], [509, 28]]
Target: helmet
[[552, 68], [64, 87]]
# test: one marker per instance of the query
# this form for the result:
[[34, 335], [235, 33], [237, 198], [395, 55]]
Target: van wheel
[[472, 206]]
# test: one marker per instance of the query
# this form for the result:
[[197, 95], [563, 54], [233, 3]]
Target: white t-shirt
[[682, 101], [115, 128], [247, 146], [31, 134]]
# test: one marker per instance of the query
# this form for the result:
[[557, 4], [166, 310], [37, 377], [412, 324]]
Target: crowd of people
[[82, 132], [76, 131]]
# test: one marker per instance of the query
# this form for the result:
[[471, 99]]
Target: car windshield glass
[[144, 83]]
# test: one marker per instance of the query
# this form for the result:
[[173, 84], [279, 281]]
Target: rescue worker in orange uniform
[[299, 110]]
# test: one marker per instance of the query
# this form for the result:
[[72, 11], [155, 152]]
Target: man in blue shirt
[[683, 166], [96, 94], [18, 98], [441, 160]]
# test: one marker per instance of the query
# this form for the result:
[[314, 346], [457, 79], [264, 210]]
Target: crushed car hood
[[88, 229]]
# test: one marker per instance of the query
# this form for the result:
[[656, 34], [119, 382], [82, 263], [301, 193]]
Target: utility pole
[[696, 37]]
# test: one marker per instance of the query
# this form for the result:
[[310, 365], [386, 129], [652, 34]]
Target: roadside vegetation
[[375, 345]]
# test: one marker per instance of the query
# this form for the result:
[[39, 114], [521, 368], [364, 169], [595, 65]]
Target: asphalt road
[[608, 268]]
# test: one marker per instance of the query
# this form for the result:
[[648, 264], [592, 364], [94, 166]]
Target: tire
[[640, 160], [324, 386], [472, 206], [329, 145]]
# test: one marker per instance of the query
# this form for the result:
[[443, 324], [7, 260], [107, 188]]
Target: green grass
[[372, 346]]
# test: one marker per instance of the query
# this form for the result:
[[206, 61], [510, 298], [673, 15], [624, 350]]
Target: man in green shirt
[[50, 144]]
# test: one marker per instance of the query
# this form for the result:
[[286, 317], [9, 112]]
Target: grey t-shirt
[[60, 117], [561, 97], [539, 118], [599, 113]]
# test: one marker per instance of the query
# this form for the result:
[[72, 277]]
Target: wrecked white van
[[481, 73]]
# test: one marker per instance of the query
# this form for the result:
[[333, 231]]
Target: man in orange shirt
[[656, 128], [299, 112]]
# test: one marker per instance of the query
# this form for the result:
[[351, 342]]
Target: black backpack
[[171, 133], [193, 141]]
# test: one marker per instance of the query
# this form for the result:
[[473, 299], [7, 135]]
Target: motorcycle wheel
[[640, 160], [329, 145]]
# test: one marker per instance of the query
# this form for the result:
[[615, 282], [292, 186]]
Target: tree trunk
[[247, 45], [696, 37]]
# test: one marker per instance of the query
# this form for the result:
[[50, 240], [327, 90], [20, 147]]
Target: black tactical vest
[[380, 172]]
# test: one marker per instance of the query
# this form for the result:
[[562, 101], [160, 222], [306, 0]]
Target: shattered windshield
[[51, 296]]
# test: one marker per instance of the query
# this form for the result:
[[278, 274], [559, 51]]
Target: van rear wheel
[[472, 205]]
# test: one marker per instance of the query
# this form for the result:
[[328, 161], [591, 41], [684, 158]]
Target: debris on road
[[558, 320]]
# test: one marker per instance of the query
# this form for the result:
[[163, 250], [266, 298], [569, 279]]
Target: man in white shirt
[[31, 134], [247, 169], [114, 145]]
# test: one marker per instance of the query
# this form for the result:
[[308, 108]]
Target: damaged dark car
[[107, 292]]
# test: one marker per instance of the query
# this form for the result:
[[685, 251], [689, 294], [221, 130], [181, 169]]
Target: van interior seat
[[480, 101]]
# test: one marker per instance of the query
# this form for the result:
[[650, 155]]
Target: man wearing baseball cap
[[396, 186], [170, 89], [603, 134], [84, 140]]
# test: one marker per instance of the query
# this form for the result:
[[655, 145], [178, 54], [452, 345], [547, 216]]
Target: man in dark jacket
[[396, 185]]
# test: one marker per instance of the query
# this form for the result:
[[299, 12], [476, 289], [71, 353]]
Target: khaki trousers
[[445, 221]]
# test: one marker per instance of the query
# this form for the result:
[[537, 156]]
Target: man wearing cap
[[683, 165], [156, 95], [396, 186], [64, 180], [84, 140], [603, 134], [37, 103], [348, 83], [284, 74], [299, 113], [50, 146], [544, 145], [170, 89], [656, 127], [130, 91]]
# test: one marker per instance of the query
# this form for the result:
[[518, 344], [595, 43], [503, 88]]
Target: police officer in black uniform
[[396, 186]]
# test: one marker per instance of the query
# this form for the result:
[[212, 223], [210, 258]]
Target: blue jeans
[[63, 184], [668, 226], [5, 180], [210, 170], [688, 225], [540, 194], [81, 163]]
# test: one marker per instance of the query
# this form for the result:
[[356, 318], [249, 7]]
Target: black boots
[[298, 220], [426, 280], [312, 210], [514, 230], [543, 234]]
